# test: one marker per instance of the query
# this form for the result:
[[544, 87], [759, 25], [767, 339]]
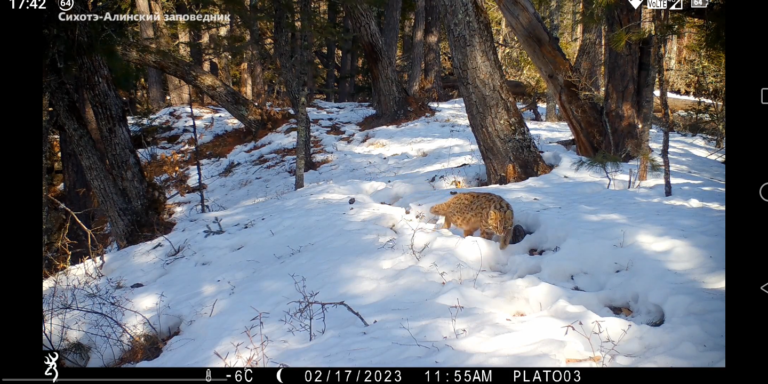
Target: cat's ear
[[508, 214]]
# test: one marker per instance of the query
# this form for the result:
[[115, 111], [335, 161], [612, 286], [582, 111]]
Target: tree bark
[[348, 62], [155, 92], [330, 52], [228, 98], [390, 97], [417, 55], [505, 143], [648, 53], [660, 19], [432, 63], [622, 100], [583, 115], [126, 220], [391, 28], [589, 57], [554, 29]]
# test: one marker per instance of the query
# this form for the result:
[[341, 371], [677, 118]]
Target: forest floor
[[642, 273]]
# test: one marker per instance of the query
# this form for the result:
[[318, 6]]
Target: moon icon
[[279, 380]]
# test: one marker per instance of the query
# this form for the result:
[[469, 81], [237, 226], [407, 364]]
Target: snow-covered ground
[[660, 258]]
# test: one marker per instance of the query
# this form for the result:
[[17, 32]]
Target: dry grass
[[146, 347]]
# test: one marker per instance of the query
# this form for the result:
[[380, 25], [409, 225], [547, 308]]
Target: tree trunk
[[228, 98], [432, 64], [346, 79], [583, 115], [330, 52], [391, 28], [417, 55], [660, 19], [126, 221], [390, 97], [293, 58], [648, 53], [589, 57], [505, 143], [177, 88], [622, 100], [154, 77], [554, 29]]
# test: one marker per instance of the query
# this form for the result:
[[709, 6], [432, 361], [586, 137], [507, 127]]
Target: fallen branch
[[88, 231]]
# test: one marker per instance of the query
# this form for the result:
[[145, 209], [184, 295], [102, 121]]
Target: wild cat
[[471, 211]]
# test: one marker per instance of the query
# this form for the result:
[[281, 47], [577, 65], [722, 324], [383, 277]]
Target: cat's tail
[[439, 209]]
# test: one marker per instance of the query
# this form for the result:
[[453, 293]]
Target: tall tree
[[348, 66], [647, 79], [583, 114], [330, 52], [554, 29], [622, 62], [155, 89], [661, 19], [505, 143], [417, 49], [293, 58], [432, 62], [390, 98]]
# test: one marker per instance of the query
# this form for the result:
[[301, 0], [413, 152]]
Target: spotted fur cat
[[471, 211]]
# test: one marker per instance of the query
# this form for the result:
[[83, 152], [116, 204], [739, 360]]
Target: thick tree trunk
[[177, 88], [154, 77], [589, 57], [505, 143], [330, 52], [432, 63], [346, 79], [390, 97], [582, 114], [391, 28], [126, 221], [417, 55], [554, 29], [228, 98], [647, 76], [622, 67], [660, 19]]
